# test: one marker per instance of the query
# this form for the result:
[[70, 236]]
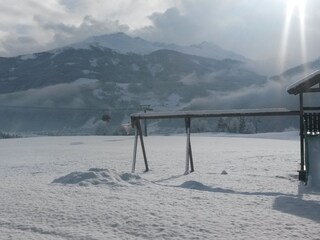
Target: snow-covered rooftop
[[216, 113], [305, 84]]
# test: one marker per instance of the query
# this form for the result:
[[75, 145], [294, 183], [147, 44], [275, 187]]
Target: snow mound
[[195, 185], [100, 176]]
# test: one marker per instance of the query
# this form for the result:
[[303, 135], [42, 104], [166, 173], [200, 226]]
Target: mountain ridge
[[91, 75], [123, 43], [100, 77]]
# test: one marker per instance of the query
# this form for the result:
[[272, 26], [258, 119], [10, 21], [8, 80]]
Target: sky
[[273, 30]]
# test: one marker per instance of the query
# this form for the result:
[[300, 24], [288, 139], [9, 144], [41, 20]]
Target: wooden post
[[142, 145], [189, 158], [145, 125], [145, 128], [302, 172], [138, 131], [145, 109], [135, 147], [188, 146]]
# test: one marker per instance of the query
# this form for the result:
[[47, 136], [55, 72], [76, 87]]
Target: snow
[[292, 89], [135, 67], [11, 78], [96, 176], [70, 63], [125, 44], [173, 100], [119, 42], [98, 93], [91, 123], [81, 188], [84, 81], [115, 61], [28, 57], [93, 62], [155, 68]]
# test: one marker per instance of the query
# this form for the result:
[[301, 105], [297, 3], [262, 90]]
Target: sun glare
[[293, 7]]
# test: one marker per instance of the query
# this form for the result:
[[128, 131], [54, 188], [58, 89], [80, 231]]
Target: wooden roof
[[307, 84]]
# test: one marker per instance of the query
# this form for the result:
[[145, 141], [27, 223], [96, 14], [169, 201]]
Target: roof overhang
[[306, 84]]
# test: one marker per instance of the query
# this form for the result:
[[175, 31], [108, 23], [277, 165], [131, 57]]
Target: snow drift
[[100, 176]]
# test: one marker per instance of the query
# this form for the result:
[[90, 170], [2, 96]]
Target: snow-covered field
[[48, 192]]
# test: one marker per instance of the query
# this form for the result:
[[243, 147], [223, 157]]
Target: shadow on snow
[[201, 187], [286, 203]]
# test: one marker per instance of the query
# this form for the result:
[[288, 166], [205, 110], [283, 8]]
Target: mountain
[[68, 90], [298, 72], [69, 64], [123, 43], [119, 42], [44, 88], [211, 50]]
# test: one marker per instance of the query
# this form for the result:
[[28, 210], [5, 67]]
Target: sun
[[295, 5], [294, 8]]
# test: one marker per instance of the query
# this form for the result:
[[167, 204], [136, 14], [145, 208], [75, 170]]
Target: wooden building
[[309, 115]]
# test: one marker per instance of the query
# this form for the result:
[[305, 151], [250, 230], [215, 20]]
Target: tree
[[242, 125], [234, 125], [221, 125], [4, 135], [106, 118]]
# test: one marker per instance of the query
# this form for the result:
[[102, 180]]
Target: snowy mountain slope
[[119, 42], [123, 43], [210, 50], [121, 82], [116, 82], [81, 188], [69, 64], [298, 72]]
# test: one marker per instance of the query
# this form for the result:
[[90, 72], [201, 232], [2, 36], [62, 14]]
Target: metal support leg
[[189, 158], [142, 145], [135, 148], [145, 128], [302, 172]]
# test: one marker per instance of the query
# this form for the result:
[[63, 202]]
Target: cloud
[[55, 23], [252, 28], [170, 27], [50, 34], [19, 44], [238, 26], [128, 12], [50, 96], [63, 34], [271, 95]]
